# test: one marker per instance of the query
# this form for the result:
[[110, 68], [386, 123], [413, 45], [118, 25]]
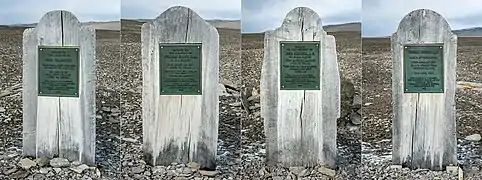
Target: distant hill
[[354, 26], [225, 24], [107, 25], [115, 25], [476, 31]]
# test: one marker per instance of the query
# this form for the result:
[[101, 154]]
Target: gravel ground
[[107, 103]]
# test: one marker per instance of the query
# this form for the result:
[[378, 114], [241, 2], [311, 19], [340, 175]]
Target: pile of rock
[[44, 168]]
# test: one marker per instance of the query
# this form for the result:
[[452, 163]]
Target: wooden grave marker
[[424, 52], [300, 92], [59, 89], [180, 110]]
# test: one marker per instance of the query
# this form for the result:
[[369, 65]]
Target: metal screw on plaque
[[282, 86], [198, 90]]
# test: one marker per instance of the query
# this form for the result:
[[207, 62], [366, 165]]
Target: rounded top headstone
[[62, 14], [177, 10], [299, 15], [421, 17]]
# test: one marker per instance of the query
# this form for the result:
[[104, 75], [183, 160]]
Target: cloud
[[30, 11], [207, 9], [259, 16], [381, 17]]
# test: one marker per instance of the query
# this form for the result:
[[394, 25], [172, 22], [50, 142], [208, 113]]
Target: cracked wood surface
[[300, 125], [424, 133], [180, 128]]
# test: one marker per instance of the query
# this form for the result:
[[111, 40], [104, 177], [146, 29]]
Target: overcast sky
[[381, 17], [262, 15], [207, 9], [30, 11]]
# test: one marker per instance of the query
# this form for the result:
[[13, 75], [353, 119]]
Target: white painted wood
[[180, 128], [300, 125], [424, 134], [60, 126]]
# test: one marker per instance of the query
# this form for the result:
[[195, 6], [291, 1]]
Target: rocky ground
[[377, 112], [133, 167], [12, 164], [349, 132]]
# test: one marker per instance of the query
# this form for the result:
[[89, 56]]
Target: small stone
[[252, 98], [396, 166], [11, 156], [208, 173], [473, 137], [158, 170], [368, 104], [26, 163], [79, 169], [42, 161], [137, 170], [45, 170], [10, 171], [296, 169], [355, 118], [39, 177], [59, 162], [236, 104], [57, 170], [2, 109], [106, 109], [76, 163], [193, 165], [452, 170], [304, 172], [115, 110], [19, 175], [326, 171]]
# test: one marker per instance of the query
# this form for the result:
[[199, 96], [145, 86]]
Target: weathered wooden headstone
[[59, 89], [300, 92], [423, 84], [180, 110]]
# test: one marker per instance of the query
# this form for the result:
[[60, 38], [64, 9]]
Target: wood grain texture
[[424, 134], [63, 126], [180, 128], [300, 125]]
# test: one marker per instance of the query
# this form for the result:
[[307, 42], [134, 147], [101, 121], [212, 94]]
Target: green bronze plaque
[[180, 66], [300, 65], [423, 68], [58, 71]]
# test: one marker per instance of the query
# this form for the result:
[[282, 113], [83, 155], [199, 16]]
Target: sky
[[381, 17], [207, 9], [262, 15], [31, 11]]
